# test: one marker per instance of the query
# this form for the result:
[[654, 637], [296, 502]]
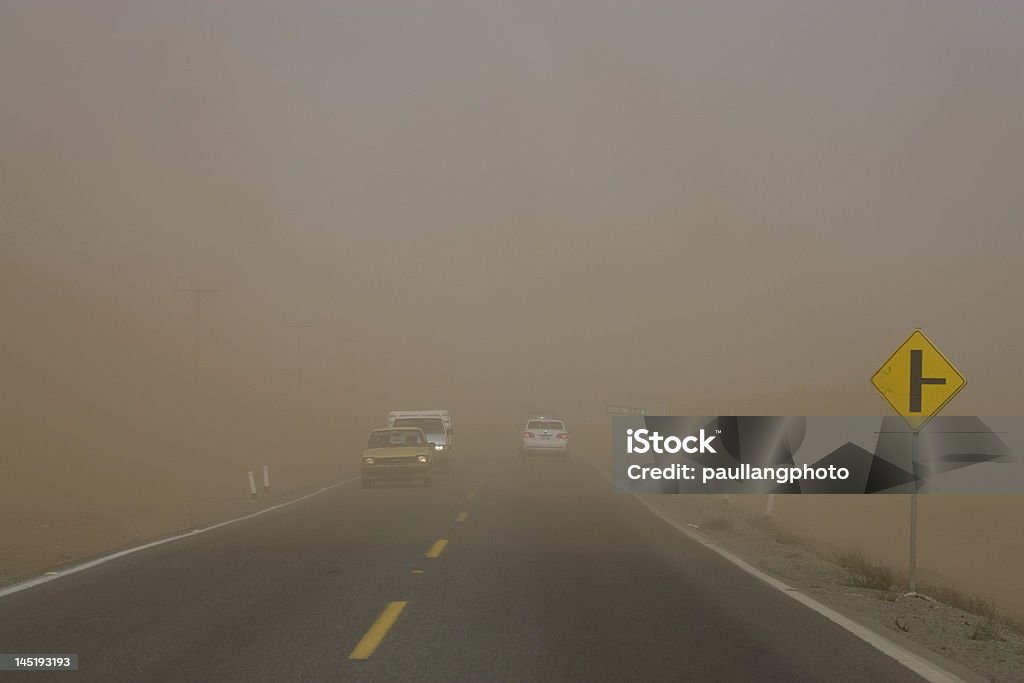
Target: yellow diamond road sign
[[917, 381]]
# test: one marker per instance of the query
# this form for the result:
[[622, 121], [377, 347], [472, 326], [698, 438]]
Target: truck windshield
[[429, 425], [395, 439]]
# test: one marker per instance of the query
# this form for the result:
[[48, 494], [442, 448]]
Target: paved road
[[549, 577]]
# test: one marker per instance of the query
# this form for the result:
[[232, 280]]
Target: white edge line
[[922, 667], [46, 578]]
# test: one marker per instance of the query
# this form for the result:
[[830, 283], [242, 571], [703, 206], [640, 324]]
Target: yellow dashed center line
[[377, 632], [436, 549], [462, 517]]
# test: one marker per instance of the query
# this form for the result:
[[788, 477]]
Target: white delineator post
[[266, 480], [252, 485]]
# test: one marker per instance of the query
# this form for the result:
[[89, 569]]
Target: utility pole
[[350, 376], [198, 292], [299, 327]]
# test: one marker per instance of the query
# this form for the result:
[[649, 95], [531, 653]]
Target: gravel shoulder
[[937, 622]]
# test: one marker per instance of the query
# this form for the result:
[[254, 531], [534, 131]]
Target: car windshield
[[429, 425], [399, 438], [545, 424]]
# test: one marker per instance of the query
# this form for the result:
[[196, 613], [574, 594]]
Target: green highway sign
[[626, 410]]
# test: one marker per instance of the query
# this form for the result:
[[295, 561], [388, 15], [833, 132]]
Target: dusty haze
[[730, 207]]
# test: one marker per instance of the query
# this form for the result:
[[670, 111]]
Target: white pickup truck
[[436, 425]]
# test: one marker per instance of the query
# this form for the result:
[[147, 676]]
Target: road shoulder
[[966, 645]]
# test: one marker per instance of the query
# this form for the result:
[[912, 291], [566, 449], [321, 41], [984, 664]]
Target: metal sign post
[[913, 515], [901, 381]]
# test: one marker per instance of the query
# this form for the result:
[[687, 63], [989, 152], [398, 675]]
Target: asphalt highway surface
[[501, 571]]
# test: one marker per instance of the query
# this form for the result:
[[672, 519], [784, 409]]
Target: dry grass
[[768, 526], [763, 523], [717, 523], [862, 572], [989, 622]]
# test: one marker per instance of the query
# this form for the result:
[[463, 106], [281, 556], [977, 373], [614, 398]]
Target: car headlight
[[438, 447], [422, 458], [368, 461]]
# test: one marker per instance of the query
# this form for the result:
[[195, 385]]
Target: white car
[[544, 435]]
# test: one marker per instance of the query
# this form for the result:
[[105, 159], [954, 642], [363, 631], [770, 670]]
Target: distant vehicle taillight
[[528, 435], [563, 435]]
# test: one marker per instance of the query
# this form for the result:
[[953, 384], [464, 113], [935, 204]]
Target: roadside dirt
[[50, 518], [979, 640]]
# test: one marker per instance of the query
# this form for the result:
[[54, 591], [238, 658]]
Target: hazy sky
[[617, 197]]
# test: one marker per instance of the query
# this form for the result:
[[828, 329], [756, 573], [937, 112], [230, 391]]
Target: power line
[[45, 224], [56, 237], [39, 238]]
